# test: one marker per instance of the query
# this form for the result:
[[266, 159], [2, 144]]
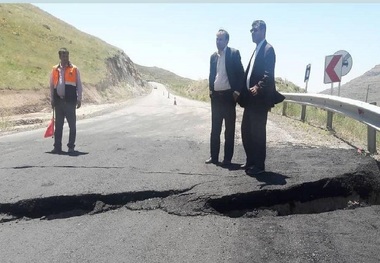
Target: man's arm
[[211, 77], [269, 64], [79, 90], [51, 90], [239, 73]]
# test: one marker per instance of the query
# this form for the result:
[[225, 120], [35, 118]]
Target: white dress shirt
[[253, 62], [221, 79]]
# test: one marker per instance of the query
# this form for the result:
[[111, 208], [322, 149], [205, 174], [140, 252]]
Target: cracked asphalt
[[138, 190]]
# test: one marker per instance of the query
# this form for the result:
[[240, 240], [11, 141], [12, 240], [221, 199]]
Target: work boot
[[56, 150]]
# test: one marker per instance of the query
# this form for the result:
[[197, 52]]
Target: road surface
[[137, 190]]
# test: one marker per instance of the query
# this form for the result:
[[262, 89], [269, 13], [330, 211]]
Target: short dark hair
[[259, 24], [63, 50], [225, 33]]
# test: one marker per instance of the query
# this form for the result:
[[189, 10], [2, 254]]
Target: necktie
[[251, 67]]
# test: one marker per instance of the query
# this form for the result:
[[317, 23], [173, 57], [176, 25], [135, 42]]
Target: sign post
[[333, 73], [306, 80], [307, 75], [336, 66]]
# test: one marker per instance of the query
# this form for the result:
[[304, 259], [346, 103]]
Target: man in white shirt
[[226, 80]]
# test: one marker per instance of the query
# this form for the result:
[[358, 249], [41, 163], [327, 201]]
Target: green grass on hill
[[29, 41]]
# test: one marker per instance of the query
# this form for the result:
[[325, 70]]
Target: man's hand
[[254, 90], [210, 94], [79, 103]]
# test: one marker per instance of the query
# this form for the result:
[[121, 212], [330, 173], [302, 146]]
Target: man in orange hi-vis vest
[[65, 98]]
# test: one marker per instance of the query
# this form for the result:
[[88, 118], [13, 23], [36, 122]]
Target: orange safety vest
[[70, 75]]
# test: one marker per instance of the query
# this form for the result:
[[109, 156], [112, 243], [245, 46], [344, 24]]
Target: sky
[[180, 37]]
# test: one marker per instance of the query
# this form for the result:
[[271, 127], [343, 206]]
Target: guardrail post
[[284, 106], [329, 120], [371, 138], [303, 113]]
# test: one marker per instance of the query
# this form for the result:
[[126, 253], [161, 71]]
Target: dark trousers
[[254, 136], [223, 107], [64, 110]]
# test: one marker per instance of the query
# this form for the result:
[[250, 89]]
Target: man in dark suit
[[226, 80], [258, 96]]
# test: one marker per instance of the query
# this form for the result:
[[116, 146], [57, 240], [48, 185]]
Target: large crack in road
[[348, 191], [56, 207]]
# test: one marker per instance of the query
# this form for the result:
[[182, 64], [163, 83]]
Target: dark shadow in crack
[[66, 206]]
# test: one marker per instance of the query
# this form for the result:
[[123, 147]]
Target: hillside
[[29, 41], [357, 88], [194, 89]]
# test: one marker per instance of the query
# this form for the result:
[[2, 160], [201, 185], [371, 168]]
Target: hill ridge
[[364, 88]]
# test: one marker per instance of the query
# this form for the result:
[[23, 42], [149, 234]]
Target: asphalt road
[[138, 190]]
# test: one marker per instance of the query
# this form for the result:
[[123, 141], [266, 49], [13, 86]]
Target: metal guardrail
[[361, 111]]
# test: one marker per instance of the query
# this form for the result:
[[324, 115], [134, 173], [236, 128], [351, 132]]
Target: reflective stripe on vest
[[70, 75]]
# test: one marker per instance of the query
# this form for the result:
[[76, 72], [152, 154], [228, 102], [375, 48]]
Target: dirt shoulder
[[308, 135], [30, 109], [36, 120]]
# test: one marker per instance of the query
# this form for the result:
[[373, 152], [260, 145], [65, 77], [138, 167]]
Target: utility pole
[[366, 96]]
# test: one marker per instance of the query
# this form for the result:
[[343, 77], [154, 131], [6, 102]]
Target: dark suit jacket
[[234, 68], [263, 76]]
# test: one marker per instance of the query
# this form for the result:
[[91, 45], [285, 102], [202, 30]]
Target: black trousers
[[223, 107], [64, 110], [254, 136]]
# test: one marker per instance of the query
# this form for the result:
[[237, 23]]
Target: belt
[[222, 92]]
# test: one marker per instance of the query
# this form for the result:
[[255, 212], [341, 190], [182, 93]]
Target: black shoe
[[226, 163], [210, 160], [70, 150], [56, 151], [244, 166], [254, 171]]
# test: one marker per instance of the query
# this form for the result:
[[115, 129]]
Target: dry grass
[[345, 128]]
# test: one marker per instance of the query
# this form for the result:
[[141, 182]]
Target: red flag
[[50, 129]]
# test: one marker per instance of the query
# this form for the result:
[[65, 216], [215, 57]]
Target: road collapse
[[348, 191]]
